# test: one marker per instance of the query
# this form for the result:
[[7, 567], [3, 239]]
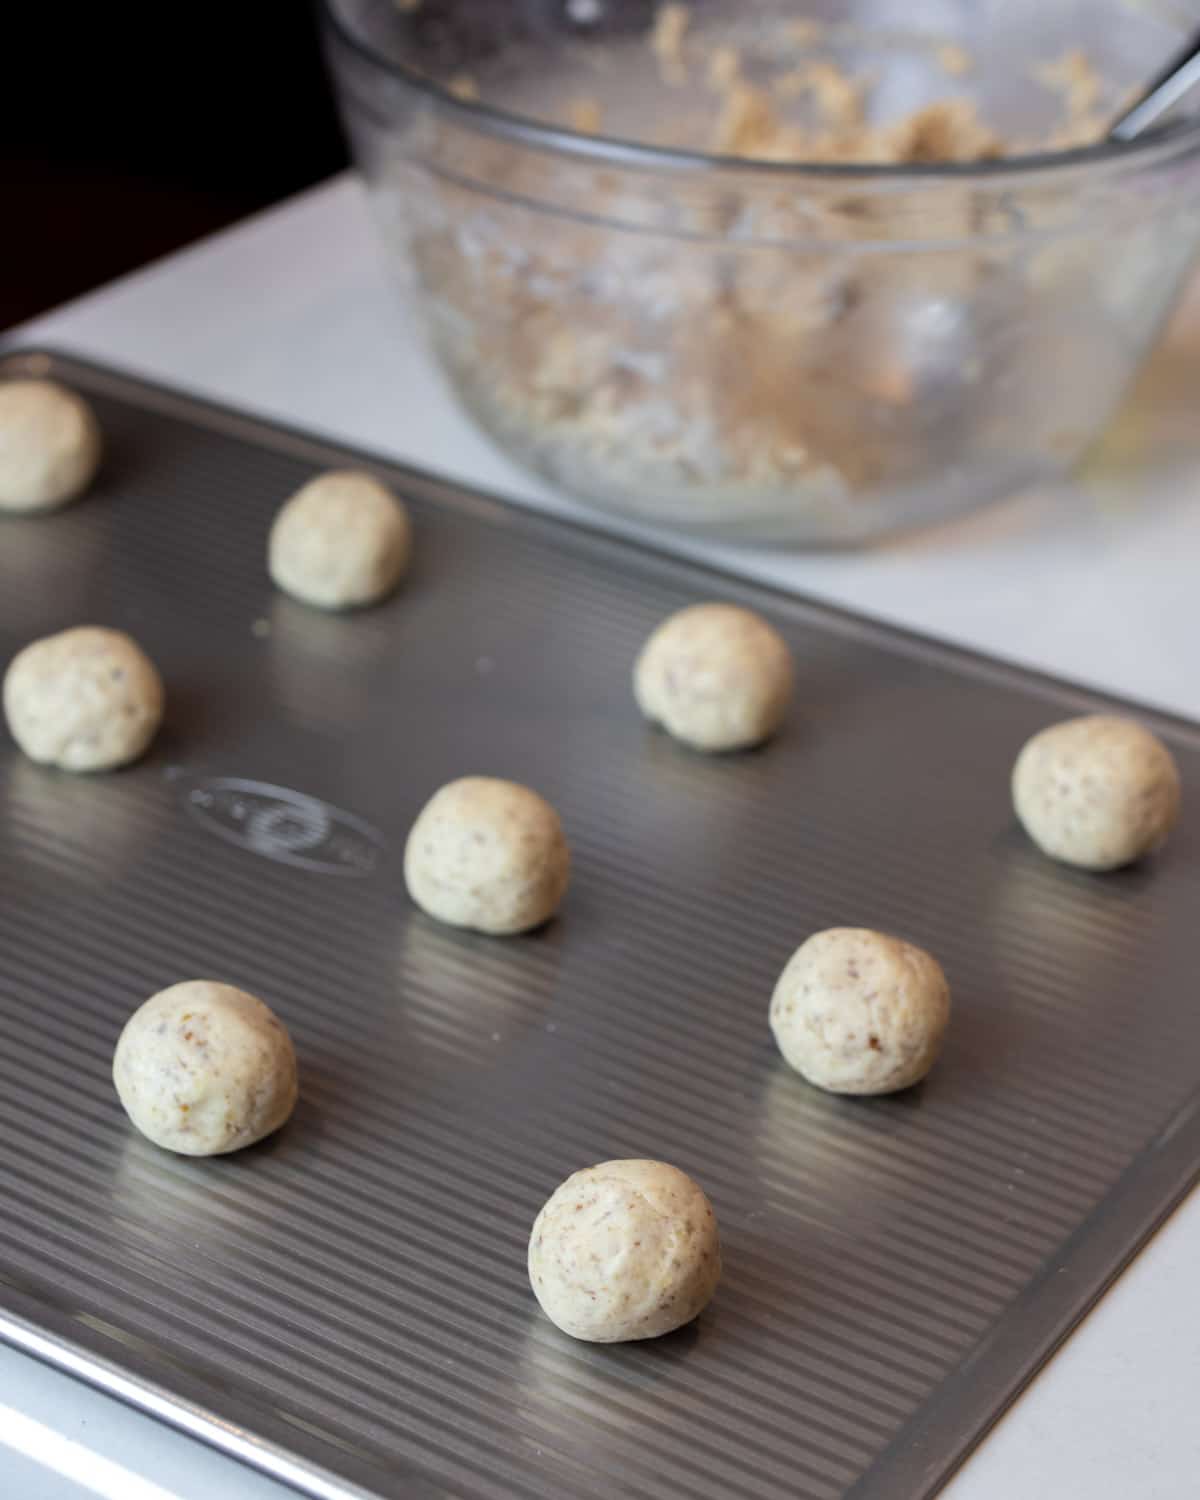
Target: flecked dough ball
[[50, 445], [203, 1068], [87, 699], [1097, 792], [624, 1250], [715, 676], [489, 855], [858, 1012], [341, 542]]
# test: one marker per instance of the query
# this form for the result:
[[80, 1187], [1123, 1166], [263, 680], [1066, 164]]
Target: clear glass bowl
[[760, 349]]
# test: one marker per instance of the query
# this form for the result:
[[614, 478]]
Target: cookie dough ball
[[624, 1250], [487, 854], [203, 1068], [715, 676], [340, 542], [858, 1012], [87, 699], [1097, 792], [49, 445]]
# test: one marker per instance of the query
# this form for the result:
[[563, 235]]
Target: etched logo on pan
[[288, 827]]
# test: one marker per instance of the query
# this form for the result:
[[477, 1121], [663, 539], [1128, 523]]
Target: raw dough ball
[[203, 1068], [715, 676], [487, 854], [858, 1012], [49, 445], [1096, 792], [340, 542], [624, 1250], [87, 699]]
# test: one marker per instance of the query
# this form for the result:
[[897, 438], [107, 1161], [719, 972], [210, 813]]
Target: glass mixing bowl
[[763, 349]]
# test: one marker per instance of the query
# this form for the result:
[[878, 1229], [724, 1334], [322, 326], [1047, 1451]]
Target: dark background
[[128, 130]]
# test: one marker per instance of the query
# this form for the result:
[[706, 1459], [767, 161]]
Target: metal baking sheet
[[346, 1305]]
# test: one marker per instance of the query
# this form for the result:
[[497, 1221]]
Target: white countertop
[[291, 315]]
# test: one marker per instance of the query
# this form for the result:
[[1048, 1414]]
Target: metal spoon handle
[[1177, 78]]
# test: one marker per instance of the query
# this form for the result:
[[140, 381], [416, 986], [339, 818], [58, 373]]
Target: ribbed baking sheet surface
[[348, 1302]]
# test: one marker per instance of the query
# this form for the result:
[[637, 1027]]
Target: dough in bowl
[[624, 1250], [49, 445], [203, 1068], [858, 1012], [489, 855], [1097, 792], [715, 676], [341, 542], [87, 699]]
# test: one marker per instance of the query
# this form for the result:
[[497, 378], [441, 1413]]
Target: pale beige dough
[[203, 1068], [87, 699], [49, 445], [715, 676], [1097, 792], [340, 542], [624, 1250], [489, 855], [696, 379], [858, 1012]]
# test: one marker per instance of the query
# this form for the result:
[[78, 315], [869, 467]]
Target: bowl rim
[[1169, 138]]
